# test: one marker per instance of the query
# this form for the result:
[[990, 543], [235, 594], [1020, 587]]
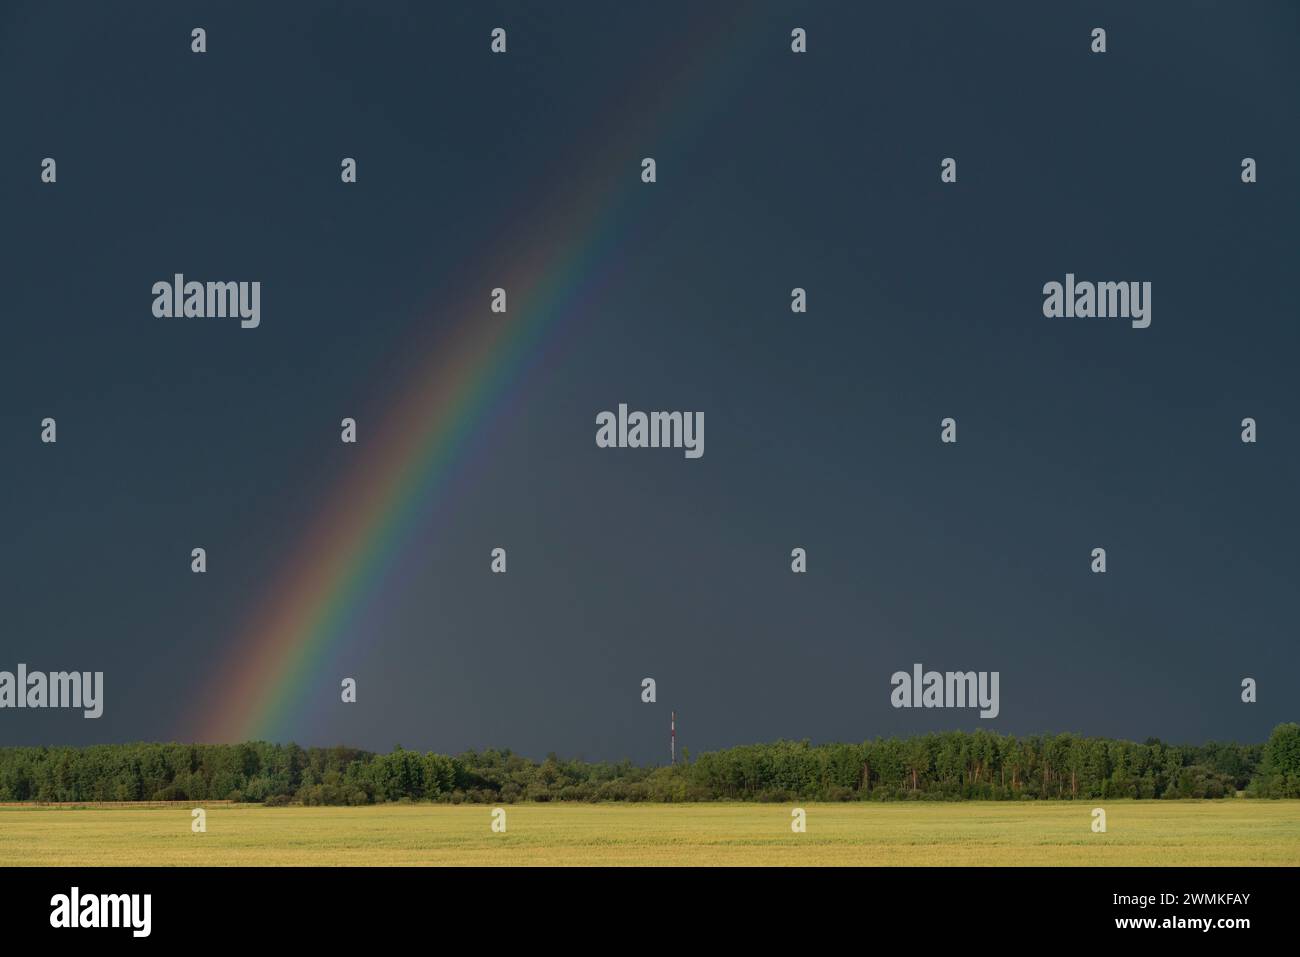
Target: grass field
[[1138, 833]]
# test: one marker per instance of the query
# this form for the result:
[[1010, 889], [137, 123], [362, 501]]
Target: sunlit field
[[1236, 832]]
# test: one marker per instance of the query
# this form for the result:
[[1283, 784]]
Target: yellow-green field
[[1138, 833]]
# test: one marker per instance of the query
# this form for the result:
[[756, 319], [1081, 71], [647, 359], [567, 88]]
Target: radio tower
[[672, 737]]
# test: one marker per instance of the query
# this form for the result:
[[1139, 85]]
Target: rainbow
[[263, 680]]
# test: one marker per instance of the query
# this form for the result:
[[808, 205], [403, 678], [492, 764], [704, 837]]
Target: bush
[[954, 765]]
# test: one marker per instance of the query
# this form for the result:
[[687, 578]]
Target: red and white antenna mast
[[672, 737]]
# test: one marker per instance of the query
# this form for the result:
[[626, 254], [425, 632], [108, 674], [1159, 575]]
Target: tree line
[[953, 765]]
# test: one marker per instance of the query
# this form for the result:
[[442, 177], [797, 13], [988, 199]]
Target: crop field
[[1232, 832]]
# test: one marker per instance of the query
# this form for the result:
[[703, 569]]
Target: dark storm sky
[[822, 430]]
